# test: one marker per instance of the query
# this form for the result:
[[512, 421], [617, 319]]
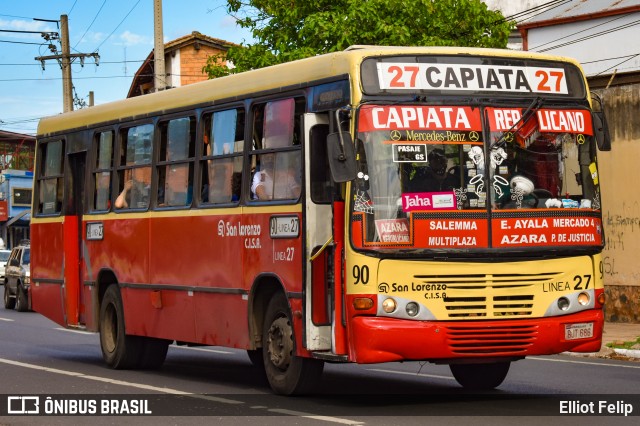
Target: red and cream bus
[[372, 205]]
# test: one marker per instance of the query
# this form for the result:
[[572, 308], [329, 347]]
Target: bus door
[[323, 302], [72, 234]]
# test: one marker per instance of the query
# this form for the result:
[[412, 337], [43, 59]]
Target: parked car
[[4, 256], [17, 279]]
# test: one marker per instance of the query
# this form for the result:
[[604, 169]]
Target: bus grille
[[488, 296], [503, 340]]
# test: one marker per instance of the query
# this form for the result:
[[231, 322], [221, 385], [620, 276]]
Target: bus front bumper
[[378, 339]]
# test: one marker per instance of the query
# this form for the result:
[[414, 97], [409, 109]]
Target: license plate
[[578, 331]]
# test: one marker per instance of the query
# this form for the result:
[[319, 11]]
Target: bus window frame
[[95, 168], [203, 158], [157, 163], [255, 148], [41, 177], [118, 167]]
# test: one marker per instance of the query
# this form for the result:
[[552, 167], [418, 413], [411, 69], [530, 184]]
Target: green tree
[[286, 30]]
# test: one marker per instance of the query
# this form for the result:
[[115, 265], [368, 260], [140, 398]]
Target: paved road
[[39, 358]]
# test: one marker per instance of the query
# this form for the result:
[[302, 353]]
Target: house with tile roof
[[184, 59]]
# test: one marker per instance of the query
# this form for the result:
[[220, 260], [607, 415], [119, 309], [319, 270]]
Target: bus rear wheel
[[287, 373], [119, 350], [480, 376]]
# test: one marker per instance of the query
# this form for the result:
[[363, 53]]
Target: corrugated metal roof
[[577, 8]]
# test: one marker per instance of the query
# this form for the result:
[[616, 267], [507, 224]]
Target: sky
[[121, 31]]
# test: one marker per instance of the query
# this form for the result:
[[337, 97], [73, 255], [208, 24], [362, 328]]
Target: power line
[[91, 24], [29, 32], [101, 62], [22, 42], [117, 26], [601, 33], [579, 32], [94, 77], [540, 8], [14, 16], [618, 64], [72, 6]]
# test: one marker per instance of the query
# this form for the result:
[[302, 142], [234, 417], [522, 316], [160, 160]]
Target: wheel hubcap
[[280, 343]]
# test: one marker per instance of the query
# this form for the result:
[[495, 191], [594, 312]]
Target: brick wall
[[192, 61]]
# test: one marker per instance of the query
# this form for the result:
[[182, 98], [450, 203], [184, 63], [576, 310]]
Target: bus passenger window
[[223, 146], [50, 180], [175, 168], [278, 176], [102, 171], [278, 124], [134, 174], [276, 159]]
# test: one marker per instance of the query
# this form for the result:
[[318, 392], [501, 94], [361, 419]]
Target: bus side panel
[[281, 256], [166, 314], [124, 250], [213, 249], [47, 257], [222, 320]]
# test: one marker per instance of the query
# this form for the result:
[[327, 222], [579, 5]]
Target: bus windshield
[[428, 179]]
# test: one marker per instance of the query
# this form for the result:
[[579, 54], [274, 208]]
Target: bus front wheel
[[480, 376], [119, 350], [287, 373]]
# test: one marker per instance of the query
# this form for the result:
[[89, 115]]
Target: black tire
[[154, 352], [9, 302], [119, 350], [480, 376], [21, 300], [287, 373], [255, 356]]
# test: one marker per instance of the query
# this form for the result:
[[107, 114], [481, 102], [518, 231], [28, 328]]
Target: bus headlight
[[583, 298], [389, 305], [412, 309], [563, 303]]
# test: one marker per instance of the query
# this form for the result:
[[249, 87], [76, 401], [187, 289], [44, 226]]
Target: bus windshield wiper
[[528, 113]]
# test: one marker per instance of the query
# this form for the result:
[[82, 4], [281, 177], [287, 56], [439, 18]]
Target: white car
[[4, 256]]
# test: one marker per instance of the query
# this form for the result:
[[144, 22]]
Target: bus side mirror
[[342, 159], [601, 131], [600, 127]]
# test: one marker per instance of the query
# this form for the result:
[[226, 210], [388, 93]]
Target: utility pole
[[159, 75], [66, 58]]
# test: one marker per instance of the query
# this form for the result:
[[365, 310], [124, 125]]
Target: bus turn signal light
[[362, 303]]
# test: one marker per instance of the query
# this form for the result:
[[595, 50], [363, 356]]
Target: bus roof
[[289, 74]]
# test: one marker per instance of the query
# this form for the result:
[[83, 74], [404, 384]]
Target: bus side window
[[102, 171], [134, 170], [222, 163], [175, 165], [276, 160], [50, 179]]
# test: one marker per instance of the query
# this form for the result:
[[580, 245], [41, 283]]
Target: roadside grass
[[625, 345]]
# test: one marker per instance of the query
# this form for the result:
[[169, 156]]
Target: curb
[[631, 353]]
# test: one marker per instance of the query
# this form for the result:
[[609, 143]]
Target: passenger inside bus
[[434, 177], [137, 185], [278, 178]]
